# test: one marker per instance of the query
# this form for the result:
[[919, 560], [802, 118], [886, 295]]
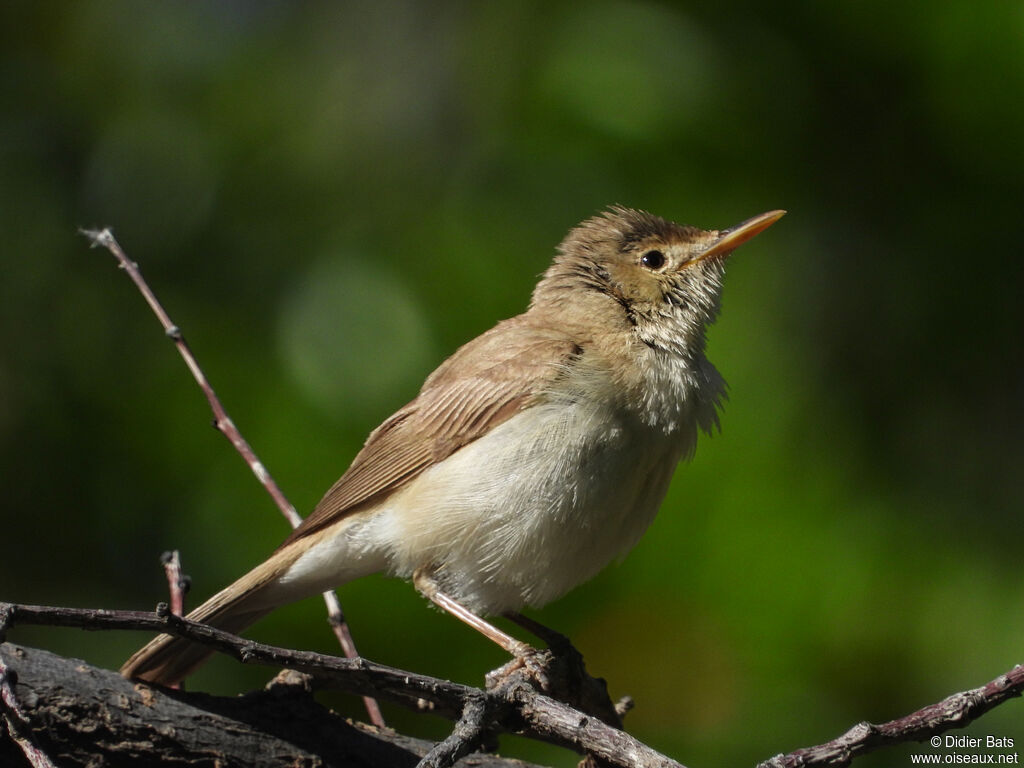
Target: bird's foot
[[529, 666], [558, 672]]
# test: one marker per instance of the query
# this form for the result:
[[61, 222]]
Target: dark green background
[[331, 197]]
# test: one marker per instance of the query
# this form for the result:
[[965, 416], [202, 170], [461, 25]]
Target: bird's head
[[629, 269]]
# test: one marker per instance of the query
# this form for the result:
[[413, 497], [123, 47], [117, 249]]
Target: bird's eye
[[653, 259]]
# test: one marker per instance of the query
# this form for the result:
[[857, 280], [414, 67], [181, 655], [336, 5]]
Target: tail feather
[[167, 660]]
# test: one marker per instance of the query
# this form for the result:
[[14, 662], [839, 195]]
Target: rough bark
[[80, 715]]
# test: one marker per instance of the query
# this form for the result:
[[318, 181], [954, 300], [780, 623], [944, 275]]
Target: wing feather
[[483, 384]]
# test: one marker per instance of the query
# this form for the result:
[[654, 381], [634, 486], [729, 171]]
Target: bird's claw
[[528, 665]]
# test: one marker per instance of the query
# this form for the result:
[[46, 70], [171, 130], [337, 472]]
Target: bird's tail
[[167, 659]]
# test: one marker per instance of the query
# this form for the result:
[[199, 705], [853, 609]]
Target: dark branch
[[466, 737], [518, 708], [84, 716], [17, 723]]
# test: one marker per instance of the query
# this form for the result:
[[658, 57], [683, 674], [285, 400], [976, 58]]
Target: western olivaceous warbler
[[531, 457]]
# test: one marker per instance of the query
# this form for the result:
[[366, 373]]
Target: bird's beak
[[731, 239]]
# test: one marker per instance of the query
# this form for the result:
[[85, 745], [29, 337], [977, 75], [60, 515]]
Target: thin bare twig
[[177, 583], [221, 420], [338, 624], [224, 424], [177, 586], [358, 675], [954, 711]]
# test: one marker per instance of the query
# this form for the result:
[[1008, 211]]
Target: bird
[[532, 457]]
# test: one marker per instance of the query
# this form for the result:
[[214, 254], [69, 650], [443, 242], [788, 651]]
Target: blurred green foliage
[[330, 197]]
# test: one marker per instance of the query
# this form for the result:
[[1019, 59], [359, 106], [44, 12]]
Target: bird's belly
[[535, 507]]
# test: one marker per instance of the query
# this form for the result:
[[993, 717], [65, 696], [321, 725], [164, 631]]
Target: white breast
[[535, 507]]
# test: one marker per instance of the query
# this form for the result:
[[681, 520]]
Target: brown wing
[[482, 385]]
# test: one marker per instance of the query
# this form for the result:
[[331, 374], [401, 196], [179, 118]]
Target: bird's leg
[[525, 657], [559, 671], [428, 587]]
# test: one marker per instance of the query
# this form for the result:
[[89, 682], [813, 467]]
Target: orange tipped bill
[[732, 238]]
